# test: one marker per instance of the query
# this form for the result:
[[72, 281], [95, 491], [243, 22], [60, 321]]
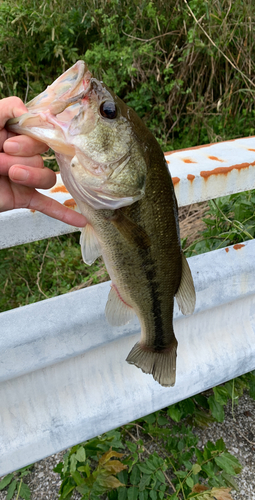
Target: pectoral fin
[[117, 311], [186, 295], [90, 246]]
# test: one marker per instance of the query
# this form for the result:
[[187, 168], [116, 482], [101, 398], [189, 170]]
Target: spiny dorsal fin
[[90, 246], [186, 295], [116, 310]]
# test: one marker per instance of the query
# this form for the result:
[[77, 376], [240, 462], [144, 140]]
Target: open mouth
[[54, 109], [65, 116], [64, 91]]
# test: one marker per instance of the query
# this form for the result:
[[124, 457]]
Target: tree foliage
[[187, 68]]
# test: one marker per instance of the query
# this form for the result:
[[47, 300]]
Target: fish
[[115, 170]]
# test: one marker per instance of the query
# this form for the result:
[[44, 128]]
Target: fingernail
[[11, 147], [19, 174]]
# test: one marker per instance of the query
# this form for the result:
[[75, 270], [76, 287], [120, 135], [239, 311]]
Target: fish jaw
[[101, 152], [71, 83], [41, 121]]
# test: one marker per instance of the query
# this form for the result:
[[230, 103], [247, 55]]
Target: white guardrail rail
[[63, 374]]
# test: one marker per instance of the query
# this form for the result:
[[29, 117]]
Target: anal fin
[[90, 246], [117, 311], [186, 295]]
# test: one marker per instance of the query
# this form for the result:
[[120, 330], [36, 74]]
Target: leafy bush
[[179, 470], [185, 67], [229, 220], [14, 484]]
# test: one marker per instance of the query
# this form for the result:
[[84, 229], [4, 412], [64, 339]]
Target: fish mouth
[[65, 116], [50, 113], [52, 117], [66, 90]]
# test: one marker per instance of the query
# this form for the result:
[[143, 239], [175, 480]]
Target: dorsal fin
[[186, 295]]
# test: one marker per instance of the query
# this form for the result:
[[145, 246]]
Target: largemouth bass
[[115, 170]]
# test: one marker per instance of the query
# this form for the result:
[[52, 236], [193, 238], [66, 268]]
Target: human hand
[[22, 170]]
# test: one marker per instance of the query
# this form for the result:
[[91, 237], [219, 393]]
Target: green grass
[[44, 269], [229, 220]]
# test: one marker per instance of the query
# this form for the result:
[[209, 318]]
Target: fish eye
[[108, 109]]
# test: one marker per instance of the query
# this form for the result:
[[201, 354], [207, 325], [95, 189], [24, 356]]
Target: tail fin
[[161, 365]]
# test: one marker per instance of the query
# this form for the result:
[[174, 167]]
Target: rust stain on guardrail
[[59, 189], [225, 170], [175, 180], [188, 160], [238, 246], [216, 159], [71, 203], [190, 177]]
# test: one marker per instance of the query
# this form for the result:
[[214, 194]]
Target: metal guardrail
[[63, 375], [199, 174]]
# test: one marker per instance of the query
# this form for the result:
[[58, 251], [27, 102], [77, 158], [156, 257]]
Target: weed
[[162, 460], [186, 68], [15, 486], [177, 470], [229, 220], [44, 269]]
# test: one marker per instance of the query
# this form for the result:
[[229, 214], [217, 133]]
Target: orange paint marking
[[238, 246], [175, 180], [59, 189], [71, 203], [215, 158], [225, 170], [167, 161], [188, 160], [32, 210], [190, 177], [227, 250], [250, 149]]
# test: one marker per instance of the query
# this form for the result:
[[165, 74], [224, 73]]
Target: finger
[[54, 209], [7, 161], [6, 195], [41, 178], [3, 137], [14, 196], [24, 146], [10, 108]]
